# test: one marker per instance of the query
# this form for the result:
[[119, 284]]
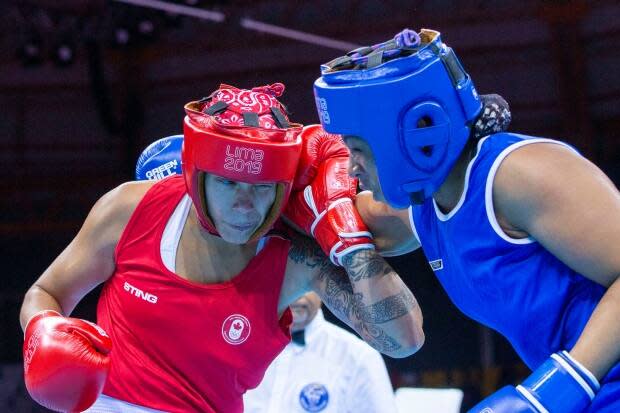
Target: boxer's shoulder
[[112, 211], [123, 200]]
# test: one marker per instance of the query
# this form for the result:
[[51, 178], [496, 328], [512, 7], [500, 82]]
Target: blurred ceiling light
[[31, 51], [121, 36], [64, 53]]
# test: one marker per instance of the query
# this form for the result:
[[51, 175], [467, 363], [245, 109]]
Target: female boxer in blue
[[522, 232]]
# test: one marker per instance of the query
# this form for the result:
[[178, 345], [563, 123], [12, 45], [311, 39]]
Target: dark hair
[[494, 117]]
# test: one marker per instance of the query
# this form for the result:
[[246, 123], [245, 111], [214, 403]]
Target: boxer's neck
[[449, 193], [207, 258]]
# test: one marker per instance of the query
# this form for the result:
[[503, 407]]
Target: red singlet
[[181, 346]]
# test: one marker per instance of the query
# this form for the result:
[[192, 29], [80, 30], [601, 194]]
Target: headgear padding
[[411, 101], [241, 135]]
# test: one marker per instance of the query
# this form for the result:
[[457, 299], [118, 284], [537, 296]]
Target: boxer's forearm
[[598, 347], [371, 298], [36, 300], [385, 310], [367, 295]]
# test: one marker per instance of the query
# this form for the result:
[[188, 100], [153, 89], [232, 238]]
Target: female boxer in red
[[199, 272]]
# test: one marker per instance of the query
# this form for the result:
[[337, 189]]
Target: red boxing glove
[[318, 146], [323, 203], [66, 361]]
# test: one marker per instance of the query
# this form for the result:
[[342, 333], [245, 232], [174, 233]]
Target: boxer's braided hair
[[494, 117]]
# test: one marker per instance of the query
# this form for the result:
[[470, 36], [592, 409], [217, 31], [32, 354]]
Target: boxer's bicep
[[570, 207], [89, 259], [390, 227]]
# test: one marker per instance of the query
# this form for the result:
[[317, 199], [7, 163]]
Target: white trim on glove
[[335, 257], [584, 370], [525, 393], [355, 234], [36, 314], [575, 375], [309, 198]]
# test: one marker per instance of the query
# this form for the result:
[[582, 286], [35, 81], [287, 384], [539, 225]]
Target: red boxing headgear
[[242, 135]]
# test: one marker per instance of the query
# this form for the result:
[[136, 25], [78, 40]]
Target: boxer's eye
[[226, 182], [264, 187]]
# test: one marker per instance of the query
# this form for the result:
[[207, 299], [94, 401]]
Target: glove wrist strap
[[41, 314], [587, 375], [560, 374], [336, 256]]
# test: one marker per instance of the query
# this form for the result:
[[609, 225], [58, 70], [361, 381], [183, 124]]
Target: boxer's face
[[362, 166], [304, 310], [237, 208]]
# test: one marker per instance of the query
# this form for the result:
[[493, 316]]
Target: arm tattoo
[[337, 292], [339, 296], [365, 264], [387, 309], [305, 250], [377, 338]]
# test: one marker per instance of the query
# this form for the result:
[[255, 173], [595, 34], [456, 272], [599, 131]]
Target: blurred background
[[85, 85]]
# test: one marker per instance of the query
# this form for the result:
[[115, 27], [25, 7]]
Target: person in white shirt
[[324, 369]]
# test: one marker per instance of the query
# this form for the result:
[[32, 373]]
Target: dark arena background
[[85, 85]]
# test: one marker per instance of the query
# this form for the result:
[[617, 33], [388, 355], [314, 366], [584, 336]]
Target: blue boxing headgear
[[160, 159], [411, 101]]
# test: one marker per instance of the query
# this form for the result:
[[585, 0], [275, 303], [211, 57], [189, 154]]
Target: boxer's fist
[[560, 385], [65, 361], [323, 204], [317, 146]]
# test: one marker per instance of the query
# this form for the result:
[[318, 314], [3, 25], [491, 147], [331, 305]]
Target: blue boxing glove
[[559, 385], [160, 159]]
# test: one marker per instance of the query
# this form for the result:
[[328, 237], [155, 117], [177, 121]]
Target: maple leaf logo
[[236, 329]]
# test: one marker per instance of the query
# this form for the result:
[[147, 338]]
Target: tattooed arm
[[366, 293]]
